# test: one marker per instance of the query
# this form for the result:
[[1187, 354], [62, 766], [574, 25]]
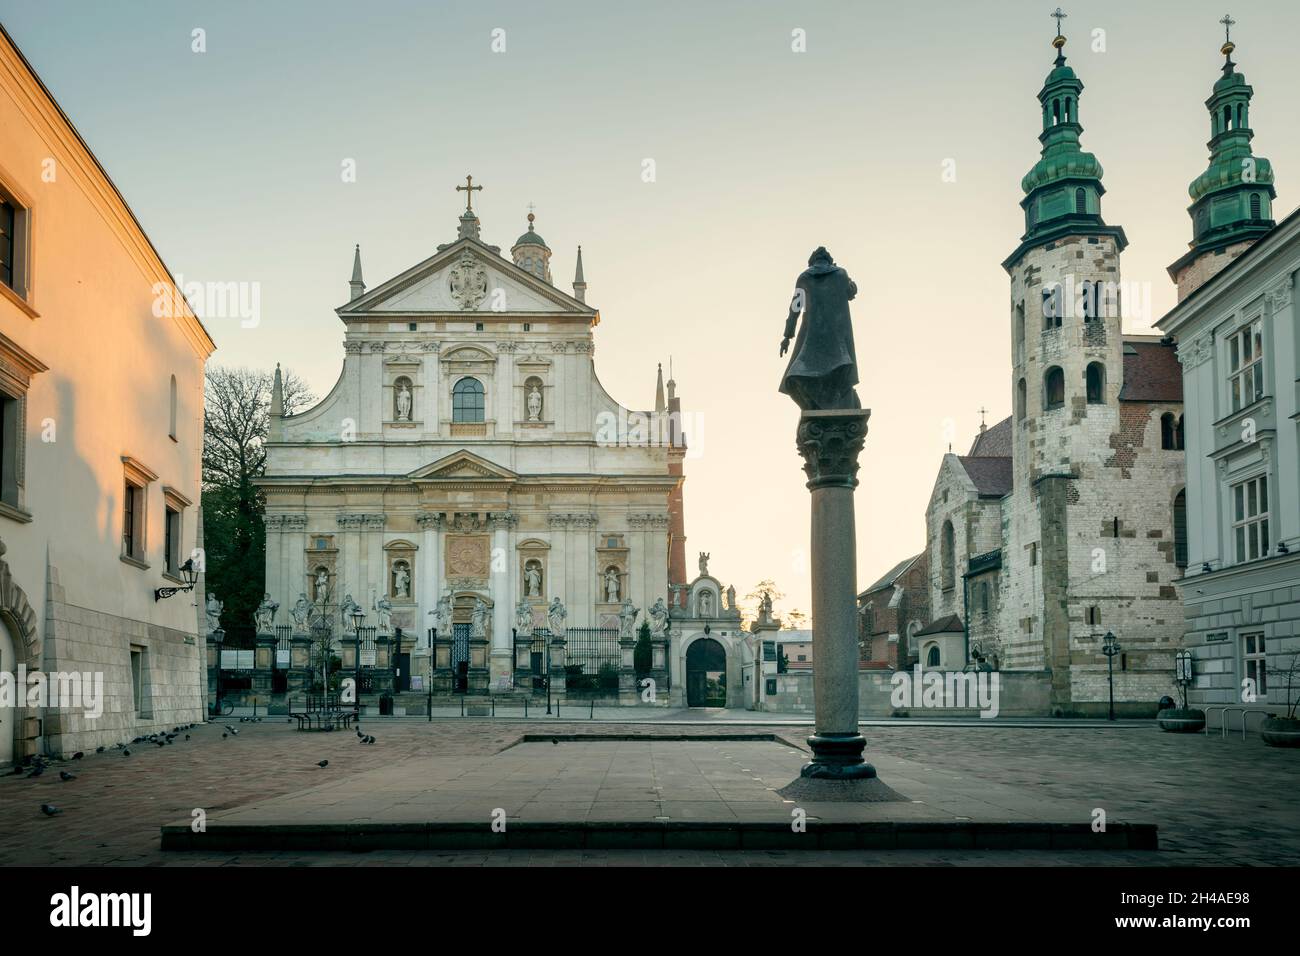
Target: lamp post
[[218, 638], [358, 616], [189, 574], [433, 643], [1183, 672], [1110, 647]]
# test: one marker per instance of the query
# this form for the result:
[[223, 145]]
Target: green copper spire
[[1232, 201], [1063, 190]]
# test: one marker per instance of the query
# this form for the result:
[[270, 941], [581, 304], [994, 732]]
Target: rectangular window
[[1253, 663], [1250, 518], [130, 501], [10, 437], [171, 540], [7, 222], [1246, 365], [137, 679]]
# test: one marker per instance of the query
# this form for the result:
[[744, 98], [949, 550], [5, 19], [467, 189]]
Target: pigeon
[[65, 776], [224, 736], [360, 734], [50, 810], [78, 755], [161, 743], [323, 763], [187, 736], [555, 741], [37, 772], [17, 770], [234, 733], [99, 750], [126, 752]]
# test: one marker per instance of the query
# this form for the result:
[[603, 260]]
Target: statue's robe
[[823, 366]]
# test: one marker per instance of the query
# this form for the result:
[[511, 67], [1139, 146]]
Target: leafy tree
[[236, 417], [794, 619]]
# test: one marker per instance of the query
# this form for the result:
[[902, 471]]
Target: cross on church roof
[[1228, 24], [1060, 15], [468, 189], [982, 413]]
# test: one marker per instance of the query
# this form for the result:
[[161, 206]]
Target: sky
[[896, 137]]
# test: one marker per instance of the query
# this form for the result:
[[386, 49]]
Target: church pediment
[[463, 466], [466, 277]]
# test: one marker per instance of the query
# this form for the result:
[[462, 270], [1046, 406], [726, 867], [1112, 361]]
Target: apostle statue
[[704, 563], [611, 585], [213, 610], [322, 584], [523, 618], [658, 615], [345, 612], [823, 366], [403, 402], [401, 580], [300, 612], [533, 579], [479, 620], [706, 603], [535, 404], [731, 597], [383, 609], [555, 615], [442, 615], [264, 616], [626, 618]]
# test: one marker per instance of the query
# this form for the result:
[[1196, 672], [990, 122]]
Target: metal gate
[[538, 656], [592, 658], [460, 658]]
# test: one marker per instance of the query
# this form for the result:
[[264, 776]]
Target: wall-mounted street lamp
[[189, 574]]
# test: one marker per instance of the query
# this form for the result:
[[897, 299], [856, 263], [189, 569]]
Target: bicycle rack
[[1224, 721]]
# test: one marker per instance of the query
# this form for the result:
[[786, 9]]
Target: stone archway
[[706, 673], [18, 647]]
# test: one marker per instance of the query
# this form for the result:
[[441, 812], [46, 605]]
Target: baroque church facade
[[469, 469]]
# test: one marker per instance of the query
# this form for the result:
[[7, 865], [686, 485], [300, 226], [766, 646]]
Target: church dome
[[531, 253]]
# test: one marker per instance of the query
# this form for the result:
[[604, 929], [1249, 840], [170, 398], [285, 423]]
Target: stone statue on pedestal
[[403, 402], [627, 618], [384, 614], [345, 612], [479, 620], [442, 616], [523, 618], [658, 615], [300, 612], [535, 404], [704, 563], [611, 585], [213, 611], [555, 616], [264, 616], [823, 367], [731, 597]]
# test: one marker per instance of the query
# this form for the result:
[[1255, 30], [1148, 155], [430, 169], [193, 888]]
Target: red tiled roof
[[1151, 372]]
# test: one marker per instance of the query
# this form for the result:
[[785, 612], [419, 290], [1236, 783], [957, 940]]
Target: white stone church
[[469, 468]]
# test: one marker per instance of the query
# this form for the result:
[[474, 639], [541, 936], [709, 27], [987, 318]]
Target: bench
[[324, 713]]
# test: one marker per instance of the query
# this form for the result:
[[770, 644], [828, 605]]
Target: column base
[[837, 757], [501, 667]]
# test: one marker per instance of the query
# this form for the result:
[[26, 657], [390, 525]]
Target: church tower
[[531, 253], [1232, 201]]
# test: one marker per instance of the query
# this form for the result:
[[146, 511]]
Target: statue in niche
[[533, 579], [611, 585], [479, 619], [322, 584], [401, 580], [442, 615], [301, 610], [534, 404], [823, 367], [706, 604], [658, 615], [213, 611], [524, 618], [731, 597], [264, 616], [555, 616], [403, 399], [626, 618], [384, 614], [704, 563]]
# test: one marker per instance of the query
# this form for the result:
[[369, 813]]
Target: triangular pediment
[[465, 278], [462, 466]]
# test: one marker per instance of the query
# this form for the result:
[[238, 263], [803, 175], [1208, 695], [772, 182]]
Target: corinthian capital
[[830, 442]]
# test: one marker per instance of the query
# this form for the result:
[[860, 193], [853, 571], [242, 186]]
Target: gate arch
[[706, 673]]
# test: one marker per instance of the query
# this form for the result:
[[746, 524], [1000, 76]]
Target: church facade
[[469, 471]]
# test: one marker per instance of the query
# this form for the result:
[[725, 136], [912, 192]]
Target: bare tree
[[236, 417]]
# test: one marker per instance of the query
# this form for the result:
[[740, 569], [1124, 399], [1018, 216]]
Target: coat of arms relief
[[467, 281]]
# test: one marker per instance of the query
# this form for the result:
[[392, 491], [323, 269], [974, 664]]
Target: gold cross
[[468, 189]]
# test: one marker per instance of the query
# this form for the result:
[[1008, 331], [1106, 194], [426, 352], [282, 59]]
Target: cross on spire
[[983, 411], [1228, 24], [468, 189], [1060, 15]]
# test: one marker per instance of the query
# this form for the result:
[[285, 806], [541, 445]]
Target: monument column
[[430, 574]]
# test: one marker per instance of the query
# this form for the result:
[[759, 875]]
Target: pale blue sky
[[231, 159]]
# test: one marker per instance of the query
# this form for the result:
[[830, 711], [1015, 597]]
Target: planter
[[1281, 731], [1179, 720]]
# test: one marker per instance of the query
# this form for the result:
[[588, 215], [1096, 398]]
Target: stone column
[[830, 442], [429, 588], [503, 600]]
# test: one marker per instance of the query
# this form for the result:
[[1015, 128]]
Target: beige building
[[101, 393]]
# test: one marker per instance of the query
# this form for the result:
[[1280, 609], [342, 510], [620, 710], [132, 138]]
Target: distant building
[[892, 610]]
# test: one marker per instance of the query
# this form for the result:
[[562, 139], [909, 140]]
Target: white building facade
[[101, 393]]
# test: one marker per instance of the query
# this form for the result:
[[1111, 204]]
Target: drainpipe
[[965, 624]]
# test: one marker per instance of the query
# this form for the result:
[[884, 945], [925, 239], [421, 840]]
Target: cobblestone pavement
[[1216, 802]]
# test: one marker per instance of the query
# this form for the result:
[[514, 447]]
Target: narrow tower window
[[1255, 206], [1180, 529], [1054, 387], [1080, 200], [1096, 382], [1020, 400]]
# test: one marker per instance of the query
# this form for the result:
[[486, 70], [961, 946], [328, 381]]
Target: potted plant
[[1285, 731], [1185, 719]]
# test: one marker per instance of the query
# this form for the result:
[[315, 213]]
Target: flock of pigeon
[[40, 762]]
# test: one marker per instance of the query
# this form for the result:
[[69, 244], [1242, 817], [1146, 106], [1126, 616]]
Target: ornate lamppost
[[1110, 647], [358, 615]]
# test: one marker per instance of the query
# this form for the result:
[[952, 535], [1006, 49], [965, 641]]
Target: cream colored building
[[468, 449], [102, 403]]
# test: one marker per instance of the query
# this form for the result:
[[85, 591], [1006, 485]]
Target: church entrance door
[[460, 658], [9, 664], [706, 674]]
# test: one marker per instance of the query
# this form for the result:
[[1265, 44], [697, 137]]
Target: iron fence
[[592, 658]]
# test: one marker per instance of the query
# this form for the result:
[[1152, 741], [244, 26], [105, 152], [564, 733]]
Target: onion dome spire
[[1063, 190]]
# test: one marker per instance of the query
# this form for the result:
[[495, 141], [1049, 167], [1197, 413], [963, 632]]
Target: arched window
[[1096, 382], [1180, 529], [467, 401], [1053, 387], [1255, 206], [1020, 400], [171, 401], [1069, 108], [947, 557], [1080, 200], [1227, 118], [1171, 432], [1053, 299], [932, 656], [1019, 331], [1056, 112]]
